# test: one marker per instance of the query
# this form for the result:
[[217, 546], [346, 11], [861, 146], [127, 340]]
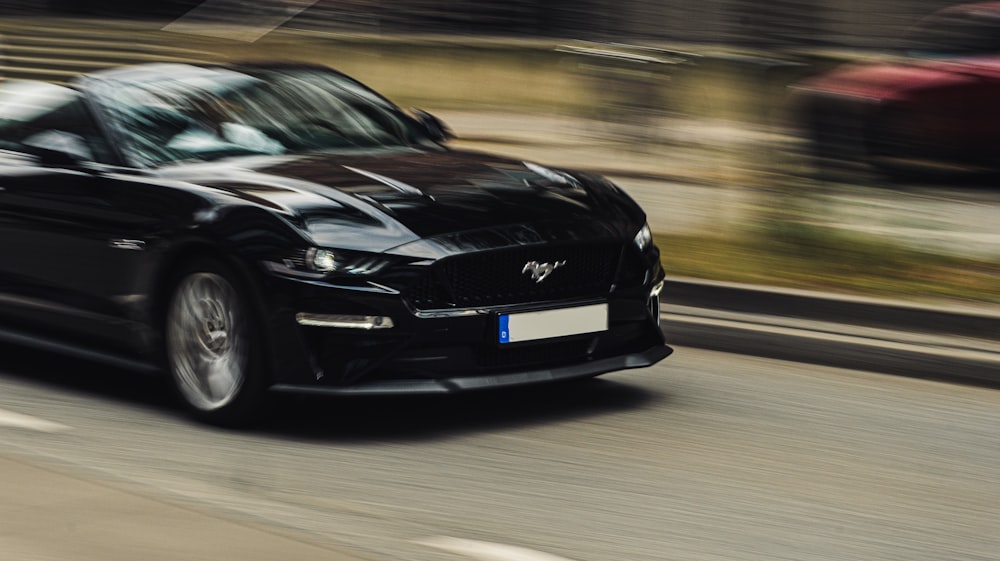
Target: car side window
[[38, 115]]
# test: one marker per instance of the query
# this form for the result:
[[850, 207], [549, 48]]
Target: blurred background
[[746, 23], [803, 143], [846, 146]]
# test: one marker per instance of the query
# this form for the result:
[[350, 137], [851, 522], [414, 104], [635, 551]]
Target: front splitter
[[589, 369]]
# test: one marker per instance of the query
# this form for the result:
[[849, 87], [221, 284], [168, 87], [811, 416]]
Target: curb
[[946, 343]]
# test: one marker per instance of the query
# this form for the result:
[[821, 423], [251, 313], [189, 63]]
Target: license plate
[[531, 326]]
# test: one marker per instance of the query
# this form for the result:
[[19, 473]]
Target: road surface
[[706, 457]]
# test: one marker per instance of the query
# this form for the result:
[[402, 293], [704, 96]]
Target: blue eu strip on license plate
[[548, 324]]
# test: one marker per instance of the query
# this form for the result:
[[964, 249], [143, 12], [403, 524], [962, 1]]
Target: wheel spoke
[[204, 337]]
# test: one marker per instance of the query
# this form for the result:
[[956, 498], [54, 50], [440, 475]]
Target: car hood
[[377, 201], [883, 82]]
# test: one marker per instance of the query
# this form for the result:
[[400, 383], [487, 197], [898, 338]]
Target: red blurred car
[[936, 108]]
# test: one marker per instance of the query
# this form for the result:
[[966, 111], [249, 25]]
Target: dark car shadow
[[421, 417], [331, 418], [67, 374]]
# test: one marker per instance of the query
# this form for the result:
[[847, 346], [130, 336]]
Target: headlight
[[321, 260], [316, 263], [644, 238]]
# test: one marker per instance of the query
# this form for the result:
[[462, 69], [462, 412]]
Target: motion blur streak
[[486, 551], [247, 21], [17, 420]]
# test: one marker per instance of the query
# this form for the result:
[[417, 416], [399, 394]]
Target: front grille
[[496, 278]]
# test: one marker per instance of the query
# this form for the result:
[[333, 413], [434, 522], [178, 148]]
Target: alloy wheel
[[207, 343]]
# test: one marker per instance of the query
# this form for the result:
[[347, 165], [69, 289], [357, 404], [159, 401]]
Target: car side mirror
[[58, 148], [435, 128]]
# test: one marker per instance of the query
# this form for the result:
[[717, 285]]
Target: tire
[[212, 345]]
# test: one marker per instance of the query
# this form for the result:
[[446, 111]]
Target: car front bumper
[[456, 384], [336, 339], [367, 337]]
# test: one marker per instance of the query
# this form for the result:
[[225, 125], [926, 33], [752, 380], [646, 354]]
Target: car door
[[75, 232]]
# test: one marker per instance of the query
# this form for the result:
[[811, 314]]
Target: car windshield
[[194, 113]]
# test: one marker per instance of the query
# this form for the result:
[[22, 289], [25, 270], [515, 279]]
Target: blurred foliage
[[813, 257]]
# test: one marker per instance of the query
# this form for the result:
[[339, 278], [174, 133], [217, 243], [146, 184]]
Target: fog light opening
[[653, 304]]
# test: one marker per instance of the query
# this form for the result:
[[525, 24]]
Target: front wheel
[[212, 351]]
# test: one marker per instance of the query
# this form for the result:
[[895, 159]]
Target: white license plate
[[531, 326]]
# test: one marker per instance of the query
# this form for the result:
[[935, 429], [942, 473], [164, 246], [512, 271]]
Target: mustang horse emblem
[[540, 271]]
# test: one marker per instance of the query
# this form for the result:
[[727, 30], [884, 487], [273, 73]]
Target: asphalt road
[[708, 456]]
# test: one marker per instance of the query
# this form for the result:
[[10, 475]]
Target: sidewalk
[[954, 343], [49, 515]]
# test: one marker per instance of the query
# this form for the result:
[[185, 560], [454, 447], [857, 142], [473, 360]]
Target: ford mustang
[[283, 228]]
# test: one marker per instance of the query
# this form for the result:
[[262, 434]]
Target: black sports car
[[283, 227]]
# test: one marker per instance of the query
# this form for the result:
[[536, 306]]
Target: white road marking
[[17, 420], [486, 551]]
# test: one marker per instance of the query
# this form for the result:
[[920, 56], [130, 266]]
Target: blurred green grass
[[816, 258]]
